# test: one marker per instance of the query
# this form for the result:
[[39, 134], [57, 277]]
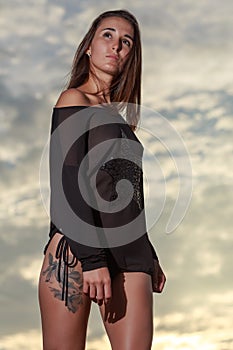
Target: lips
[[116, 58]]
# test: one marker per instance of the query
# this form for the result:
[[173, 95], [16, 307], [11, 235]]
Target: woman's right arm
[[96, 277]]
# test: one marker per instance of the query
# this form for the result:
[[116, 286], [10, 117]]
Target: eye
[[126, 42], [107, 35]]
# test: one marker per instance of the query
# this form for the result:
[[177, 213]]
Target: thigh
[[128, 318], [63, 324]]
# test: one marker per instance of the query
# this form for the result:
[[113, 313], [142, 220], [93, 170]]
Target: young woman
[[121, 279]]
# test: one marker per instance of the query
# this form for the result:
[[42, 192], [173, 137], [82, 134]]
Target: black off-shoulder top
[[103, 168]]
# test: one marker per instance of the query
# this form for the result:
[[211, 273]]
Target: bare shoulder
[[72, 97]]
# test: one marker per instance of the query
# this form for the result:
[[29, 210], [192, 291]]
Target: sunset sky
[[188, 80]]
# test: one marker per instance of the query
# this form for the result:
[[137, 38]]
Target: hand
[[97, 284], [159, 278]]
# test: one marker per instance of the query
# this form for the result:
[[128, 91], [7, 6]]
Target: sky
[[187, 79]]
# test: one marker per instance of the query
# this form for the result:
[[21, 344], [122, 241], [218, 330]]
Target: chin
[[112, 67], [112, 72]]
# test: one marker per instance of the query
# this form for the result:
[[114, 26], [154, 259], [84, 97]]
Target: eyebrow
[[114, 30]]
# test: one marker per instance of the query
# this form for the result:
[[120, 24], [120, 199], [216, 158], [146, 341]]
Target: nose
[[117, 45]]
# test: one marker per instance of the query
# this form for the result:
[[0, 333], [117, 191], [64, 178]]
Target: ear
[[88, 52]]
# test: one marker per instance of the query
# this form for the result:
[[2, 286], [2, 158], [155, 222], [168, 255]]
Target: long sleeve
[[90, 257], [118, 159]]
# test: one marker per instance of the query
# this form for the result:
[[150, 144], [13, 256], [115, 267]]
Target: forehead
[[118, 23]]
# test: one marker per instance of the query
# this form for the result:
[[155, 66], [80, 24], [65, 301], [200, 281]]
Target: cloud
[[31, 269], [22, 341], [185, 341], [204, 323], [187, 57]]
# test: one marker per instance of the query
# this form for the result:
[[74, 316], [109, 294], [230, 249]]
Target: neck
[[98, 84]]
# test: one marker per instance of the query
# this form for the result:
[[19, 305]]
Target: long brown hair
[[126, 86]]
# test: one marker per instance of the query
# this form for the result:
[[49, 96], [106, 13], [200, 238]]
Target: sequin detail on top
[[126, 165]]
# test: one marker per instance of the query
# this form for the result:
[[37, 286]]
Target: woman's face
[[111, 45]]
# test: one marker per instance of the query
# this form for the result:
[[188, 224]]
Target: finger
[[92, 292], [156, 287], [162, 282], [99, 293], [85, 288], [107, 291], [157, 283]]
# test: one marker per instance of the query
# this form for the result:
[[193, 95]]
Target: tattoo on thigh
[[75, 283]]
